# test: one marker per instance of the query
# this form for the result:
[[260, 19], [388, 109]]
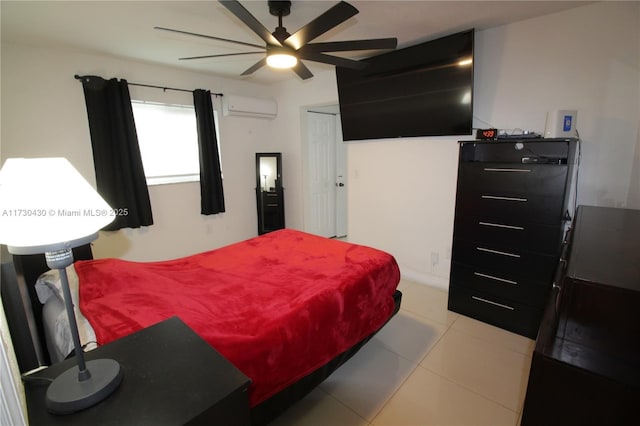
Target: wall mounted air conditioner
[[249, 107]]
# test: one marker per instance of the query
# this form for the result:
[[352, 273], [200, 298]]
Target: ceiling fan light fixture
[[287, 51], [281, 60]]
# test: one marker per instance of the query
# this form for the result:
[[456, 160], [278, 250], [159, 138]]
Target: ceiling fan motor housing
[[279, 8]]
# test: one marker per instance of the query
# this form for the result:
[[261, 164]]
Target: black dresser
[[510, 216], [585, 368]]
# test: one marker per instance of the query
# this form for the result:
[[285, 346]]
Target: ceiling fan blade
[[323, 23], [262, 62], [302, 71], [341, 46], [210, 37], [250, 21], [218, 56], [333, 60]]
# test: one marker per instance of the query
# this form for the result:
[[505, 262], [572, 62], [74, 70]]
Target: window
[[168, 140]]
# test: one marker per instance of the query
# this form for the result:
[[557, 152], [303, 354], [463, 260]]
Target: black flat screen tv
[[421, 90]]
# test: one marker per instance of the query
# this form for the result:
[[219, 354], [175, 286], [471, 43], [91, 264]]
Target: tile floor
[[427, 366]]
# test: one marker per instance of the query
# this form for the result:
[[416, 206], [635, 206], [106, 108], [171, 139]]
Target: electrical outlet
[[435, 258]]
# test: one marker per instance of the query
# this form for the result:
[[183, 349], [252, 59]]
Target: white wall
[[587, 59], [13, 404], [401, 199], [295, 96], [402, 191], [43, 114]]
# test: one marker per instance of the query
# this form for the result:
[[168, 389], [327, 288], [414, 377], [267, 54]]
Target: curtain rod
[[80, 77]]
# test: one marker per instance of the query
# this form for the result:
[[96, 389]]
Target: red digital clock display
[[487, 134]]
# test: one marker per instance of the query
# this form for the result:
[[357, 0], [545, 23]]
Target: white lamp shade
[[45, 204]]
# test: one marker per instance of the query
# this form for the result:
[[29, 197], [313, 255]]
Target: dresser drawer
[[489, 282], [517, 151], [508, 263], [524, 179], [503, 205], [509, 232], [506, 314], [270, 202]]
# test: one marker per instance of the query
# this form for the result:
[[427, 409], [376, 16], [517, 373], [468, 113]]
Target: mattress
[[278, 306]]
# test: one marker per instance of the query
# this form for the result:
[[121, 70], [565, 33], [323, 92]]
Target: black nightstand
[[171, 377]]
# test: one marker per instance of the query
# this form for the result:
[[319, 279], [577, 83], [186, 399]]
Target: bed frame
[[24, 318], [24, 310]]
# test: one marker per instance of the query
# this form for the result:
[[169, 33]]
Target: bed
[[287, 308]]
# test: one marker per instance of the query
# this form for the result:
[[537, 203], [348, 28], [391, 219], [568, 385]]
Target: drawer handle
[[499, 225], [491, 277], [498, 169], [480, 299], [496, 197], [502, 253]]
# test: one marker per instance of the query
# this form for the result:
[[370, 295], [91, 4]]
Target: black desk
[[586, 364], [171, 377]]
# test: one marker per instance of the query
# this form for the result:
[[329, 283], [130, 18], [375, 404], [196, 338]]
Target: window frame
[[167, 179]]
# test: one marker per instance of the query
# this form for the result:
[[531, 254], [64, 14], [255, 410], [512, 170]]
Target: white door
[[326, 176]]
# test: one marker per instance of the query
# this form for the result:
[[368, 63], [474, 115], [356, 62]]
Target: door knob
[[340, 184]]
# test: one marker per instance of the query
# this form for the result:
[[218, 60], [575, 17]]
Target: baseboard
[[425, 278]]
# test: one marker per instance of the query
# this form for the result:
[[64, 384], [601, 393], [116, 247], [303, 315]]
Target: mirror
[[269, 192]]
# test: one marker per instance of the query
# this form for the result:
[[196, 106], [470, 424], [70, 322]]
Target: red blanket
[[277, 306]]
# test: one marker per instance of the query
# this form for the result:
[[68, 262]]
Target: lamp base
[[66, 394]]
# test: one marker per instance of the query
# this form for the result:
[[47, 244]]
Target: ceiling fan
[[284, 50]]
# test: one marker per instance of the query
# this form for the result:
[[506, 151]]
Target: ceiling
[[125, 28]]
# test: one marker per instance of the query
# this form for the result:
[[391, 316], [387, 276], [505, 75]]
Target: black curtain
[[120, 176], [211, 192]]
